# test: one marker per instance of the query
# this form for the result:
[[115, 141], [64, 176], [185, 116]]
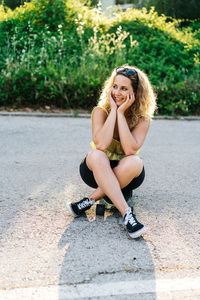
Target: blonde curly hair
[[145, 98]]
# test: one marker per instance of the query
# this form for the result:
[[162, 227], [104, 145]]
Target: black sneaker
[[135, 228], [77, 209]]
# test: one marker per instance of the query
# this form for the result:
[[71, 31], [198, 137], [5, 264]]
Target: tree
[[180, 9], [13, 3]]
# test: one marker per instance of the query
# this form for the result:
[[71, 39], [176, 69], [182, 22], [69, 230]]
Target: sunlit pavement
[[46, 254]]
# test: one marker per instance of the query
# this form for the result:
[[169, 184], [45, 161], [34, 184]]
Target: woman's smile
[[118, 98]]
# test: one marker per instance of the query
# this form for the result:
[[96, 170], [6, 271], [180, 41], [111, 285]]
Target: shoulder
[[144, 120], [143, 124], [99, 112], [99, 108]]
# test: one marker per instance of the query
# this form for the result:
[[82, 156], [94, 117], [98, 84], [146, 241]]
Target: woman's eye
[[114, 86], [124, 89]]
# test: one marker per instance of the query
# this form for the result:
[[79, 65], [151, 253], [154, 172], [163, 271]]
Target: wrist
[[120, 113]]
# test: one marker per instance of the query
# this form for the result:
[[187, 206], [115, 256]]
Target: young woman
[[120, 123]]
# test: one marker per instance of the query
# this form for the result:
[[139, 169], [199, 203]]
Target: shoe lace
[[130, 217], [131, 220], [85, 203]]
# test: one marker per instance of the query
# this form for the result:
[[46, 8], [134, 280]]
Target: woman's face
[[121, 88]]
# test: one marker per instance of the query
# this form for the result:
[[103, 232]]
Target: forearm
[[104, 137], [128, 142]]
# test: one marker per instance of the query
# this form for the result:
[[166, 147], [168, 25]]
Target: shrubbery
[[177, 9], [64, 60]]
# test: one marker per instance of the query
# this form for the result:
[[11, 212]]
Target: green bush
[[177, 9], [63, 61]]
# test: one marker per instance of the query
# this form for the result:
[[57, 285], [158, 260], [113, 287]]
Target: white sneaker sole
[[72, 213], [138, 233]]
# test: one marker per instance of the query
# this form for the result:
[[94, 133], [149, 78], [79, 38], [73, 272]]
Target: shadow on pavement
[[100, 252]]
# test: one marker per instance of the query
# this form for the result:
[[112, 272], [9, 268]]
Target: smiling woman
[[120, 123]]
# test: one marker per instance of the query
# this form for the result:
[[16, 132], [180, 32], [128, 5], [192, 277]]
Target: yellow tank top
[[115, 150]]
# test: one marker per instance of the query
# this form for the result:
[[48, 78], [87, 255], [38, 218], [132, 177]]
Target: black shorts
[[89, 179]]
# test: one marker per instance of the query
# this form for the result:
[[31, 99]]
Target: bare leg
[[107, 179], [128, 168]]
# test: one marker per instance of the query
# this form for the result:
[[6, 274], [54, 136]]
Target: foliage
[[12, 3], [183, 9], [60, 53]]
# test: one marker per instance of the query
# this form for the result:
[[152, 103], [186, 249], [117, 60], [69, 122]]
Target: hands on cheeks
[[129, 101], [111, 101]]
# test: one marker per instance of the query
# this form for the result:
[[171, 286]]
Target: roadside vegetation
[[59, 53]]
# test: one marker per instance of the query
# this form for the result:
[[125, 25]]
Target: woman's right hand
[[111, 101]]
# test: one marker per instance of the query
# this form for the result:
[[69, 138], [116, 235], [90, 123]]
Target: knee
[[133, 162], [97, 156], [137, 162]]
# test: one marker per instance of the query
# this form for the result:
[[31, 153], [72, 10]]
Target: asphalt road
[[46, 254]]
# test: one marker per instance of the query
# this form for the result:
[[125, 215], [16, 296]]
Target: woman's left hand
[[129, 101]]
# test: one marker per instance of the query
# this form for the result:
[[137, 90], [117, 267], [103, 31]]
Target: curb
[[82, 115], [44, 115]]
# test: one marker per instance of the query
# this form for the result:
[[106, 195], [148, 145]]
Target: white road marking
[[99, 290]]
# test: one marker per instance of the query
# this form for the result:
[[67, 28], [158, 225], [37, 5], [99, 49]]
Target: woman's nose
[[117, 92]]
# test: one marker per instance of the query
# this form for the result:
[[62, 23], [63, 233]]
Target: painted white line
[[100, 290]]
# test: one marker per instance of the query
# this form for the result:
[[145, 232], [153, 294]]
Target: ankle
[[92, 198], [126, 211]]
